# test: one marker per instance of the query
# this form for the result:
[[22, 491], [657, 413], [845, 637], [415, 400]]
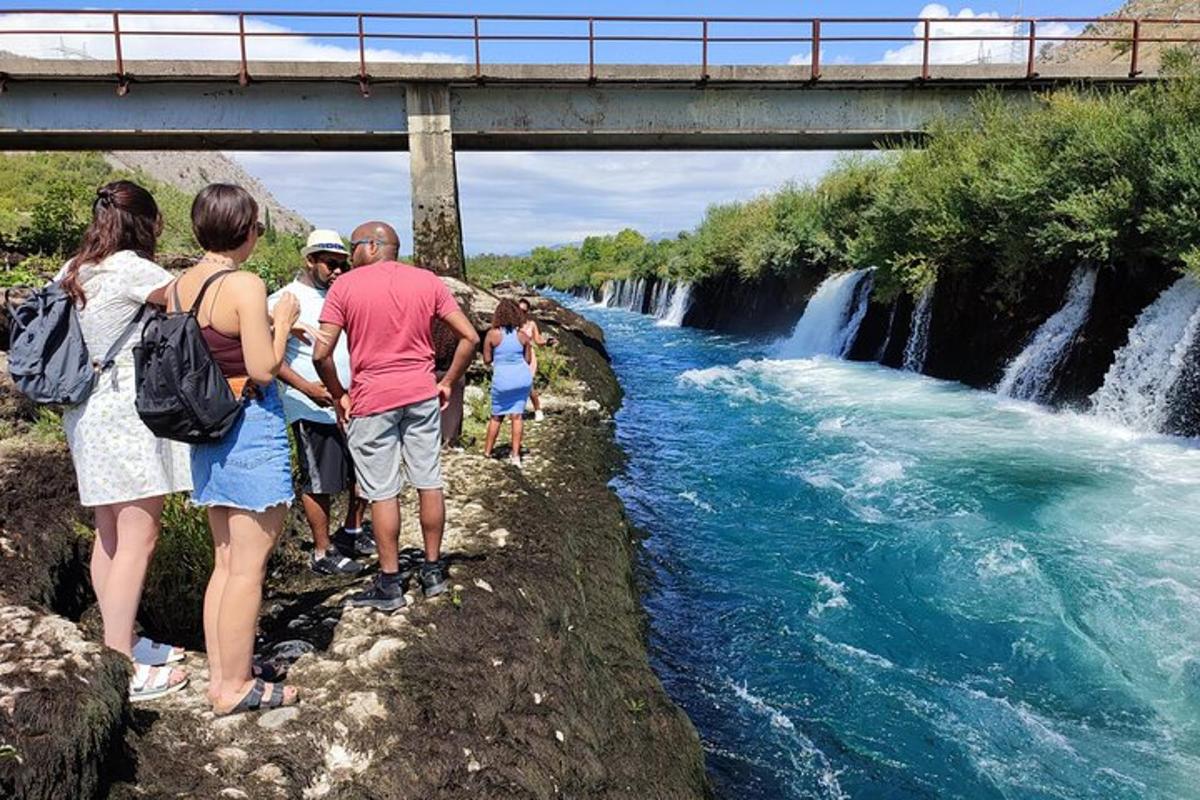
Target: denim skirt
[[251, 467]]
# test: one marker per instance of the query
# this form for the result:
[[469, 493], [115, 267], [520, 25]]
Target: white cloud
[[512, 202], [100, 44], [971, 24]]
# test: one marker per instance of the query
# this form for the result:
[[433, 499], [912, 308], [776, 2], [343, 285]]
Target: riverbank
[[529, 679]]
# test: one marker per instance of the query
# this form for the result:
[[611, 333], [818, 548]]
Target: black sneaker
[[380, 597], [433, 578], [335, 564], [353, 545]]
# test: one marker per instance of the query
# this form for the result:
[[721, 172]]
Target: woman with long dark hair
[[123, 470], [245, 479], [510, 352]]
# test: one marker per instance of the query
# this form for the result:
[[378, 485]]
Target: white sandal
[[150, 682], [156, 654]]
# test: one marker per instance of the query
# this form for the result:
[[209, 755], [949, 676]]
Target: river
[[868, 583]]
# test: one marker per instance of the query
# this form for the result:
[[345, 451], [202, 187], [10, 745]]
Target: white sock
[[353, 531]]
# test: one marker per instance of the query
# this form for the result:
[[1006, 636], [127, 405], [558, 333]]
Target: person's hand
[[444, 392], [342, 407], [286, 311], [318, 394]]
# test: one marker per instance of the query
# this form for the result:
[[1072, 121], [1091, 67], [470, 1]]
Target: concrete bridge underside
[[432, 110]]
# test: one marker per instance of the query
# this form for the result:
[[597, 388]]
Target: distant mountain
[[191, 171], [1149, 53]]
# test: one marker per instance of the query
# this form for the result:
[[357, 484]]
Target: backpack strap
[[111, 356], [203, 288]]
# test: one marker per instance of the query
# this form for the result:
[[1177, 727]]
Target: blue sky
[[513, 201]]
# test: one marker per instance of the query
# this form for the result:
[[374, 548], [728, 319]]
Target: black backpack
[[181, 393]]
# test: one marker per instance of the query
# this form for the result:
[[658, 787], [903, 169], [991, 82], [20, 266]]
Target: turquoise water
[[872, 584]]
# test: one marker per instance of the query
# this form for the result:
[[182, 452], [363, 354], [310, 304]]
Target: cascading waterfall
[[678, 305], [1030, 375], [917, 347], [608, 293], [1137, 387], [832, 316]]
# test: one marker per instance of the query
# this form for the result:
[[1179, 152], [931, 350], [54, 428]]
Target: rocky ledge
[[528, 679]]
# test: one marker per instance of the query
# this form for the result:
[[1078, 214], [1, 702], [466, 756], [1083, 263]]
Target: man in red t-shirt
[[392, 412]]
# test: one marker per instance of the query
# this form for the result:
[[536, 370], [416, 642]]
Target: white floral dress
[[117, 459]]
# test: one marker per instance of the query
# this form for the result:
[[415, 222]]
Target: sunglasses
[[335, 264], [260, 228]]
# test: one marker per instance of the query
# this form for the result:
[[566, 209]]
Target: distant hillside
[[191, 171], [1150, 53]]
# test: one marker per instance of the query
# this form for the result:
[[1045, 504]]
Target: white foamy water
[[1030, 375], [1137, 387], [677, 306], [916, 349], [831, 318]]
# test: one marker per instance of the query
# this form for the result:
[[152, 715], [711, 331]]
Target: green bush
[[1106, 178], [173, 598]]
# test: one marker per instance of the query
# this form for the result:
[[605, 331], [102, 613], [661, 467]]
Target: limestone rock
[[62, 706]]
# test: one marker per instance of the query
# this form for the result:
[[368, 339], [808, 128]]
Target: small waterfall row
[[917, 347], [832, 316], [1138, 386], [668, 301], [1030, 375]]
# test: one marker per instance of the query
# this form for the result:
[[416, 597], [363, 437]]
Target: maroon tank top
[[226, 350]]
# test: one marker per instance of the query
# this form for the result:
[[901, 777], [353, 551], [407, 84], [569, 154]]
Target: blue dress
[[511, 378]]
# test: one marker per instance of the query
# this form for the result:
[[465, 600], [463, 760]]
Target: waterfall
[[1030, 375], [917, 347], [678, 305], [1137, 386], [661, 298], [608, 293], [832, 316]]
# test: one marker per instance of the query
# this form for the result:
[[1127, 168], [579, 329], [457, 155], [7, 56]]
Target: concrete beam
[[320, 116], [437, 224]]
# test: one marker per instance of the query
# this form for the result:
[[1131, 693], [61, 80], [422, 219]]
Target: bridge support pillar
[[437, 224]]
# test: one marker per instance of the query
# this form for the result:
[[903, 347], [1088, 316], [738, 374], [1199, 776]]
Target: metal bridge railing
[[1022, 33]]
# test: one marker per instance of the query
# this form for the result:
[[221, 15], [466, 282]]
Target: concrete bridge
[[434, 109]]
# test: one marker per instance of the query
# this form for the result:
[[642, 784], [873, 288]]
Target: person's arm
[[527, 343], [311, 389], [538, 339], [468, 342], [327, 369], [264, 339], [489, 345]]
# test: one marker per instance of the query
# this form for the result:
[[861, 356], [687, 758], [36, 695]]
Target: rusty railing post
[[1030, 72], [704, 51], [815, 70], [122, 80], [1133, 50], [478, 60], [364, 80], [591, 50], [925, 52], [244, 75]]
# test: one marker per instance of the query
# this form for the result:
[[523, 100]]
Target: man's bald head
[[376, 241]]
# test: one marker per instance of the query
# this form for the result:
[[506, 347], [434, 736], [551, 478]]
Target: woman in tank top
[[509, 352], [245, 478]]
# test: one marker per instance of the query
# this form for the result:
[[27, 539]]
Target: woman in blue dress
[[509, 351]]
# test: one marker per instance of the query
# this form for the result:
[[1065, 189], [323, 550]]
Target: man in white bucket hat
[[325, 466]]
